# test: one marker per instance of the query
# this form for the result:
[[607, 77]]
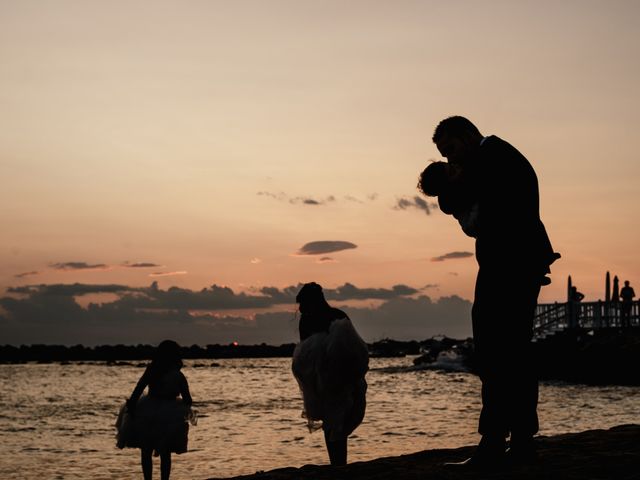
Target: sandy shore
[[594, 454]]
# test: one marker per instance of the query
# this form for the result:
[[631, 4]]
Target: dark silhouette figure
[[330, 364], [626, 294], [575, 297], [157, 422], [455, 193], [511, 243]]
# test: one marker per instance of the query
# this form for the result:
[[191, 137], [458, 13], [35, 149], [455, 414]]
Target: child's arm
[[184, 390], [140, 386]]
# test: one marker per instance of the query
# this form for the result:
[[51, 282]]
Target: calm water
[[56, 421]]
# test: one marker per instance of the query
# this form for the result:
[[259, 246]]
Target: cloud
[[78, 266], [26, 274], [256, 260], [416, 202], [49, 314], [214, 298], [310, 200], [304, 200], [326, 260], [69, 290], [141, 265], [414, 318], [325, 246], [351, 292], [168, 274], [451, 256]]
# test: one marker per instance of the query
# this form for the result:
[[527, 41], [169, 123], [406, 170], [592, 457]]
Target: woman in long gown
[[330, 364], [156, 423]]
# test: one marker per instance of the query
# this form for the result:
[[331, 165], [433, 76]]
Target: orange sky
[[188, 135]]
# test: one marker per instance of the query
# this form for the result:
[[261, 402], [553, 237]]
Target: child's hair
[[433, 179], [166, 356]]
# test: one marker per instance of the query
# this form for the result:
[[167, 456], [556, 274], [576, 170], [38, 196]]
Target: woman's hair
[[166, 356], [433, 179], [311, 294]]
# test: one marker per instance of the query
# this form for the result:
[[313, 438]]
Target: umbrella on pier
[[615, 295], [607, 289]]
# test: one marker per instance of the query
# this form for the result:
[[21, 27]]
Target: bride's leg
[[337, 450]]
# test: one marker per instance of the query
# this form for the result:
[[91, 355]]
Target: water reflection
[[56, 421]]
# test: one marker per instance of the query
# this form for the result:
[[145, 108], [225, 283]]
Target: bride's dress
[[330, 370]]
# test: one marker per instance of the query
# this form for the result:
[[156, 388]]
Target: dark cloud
[[141, 265], [69, 290], [326, 260], [214, 298], [414, 318], [78, 266], [26, 274], [416, 202], [168, 274], [277, 196], [325, 246], [312, 201], [49, 314], [451, 256], [283, 197], [351, 292], [308, 200]]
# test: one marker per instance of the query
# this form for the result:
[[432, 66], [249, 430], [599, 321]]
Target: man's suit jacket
[[510, 232]]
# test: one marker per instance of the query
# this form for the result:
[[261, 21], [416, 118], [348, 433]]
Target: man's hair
[[433, 179], [456, 127]]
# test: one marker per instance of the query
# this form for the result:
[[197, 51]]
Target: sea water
[[57, 421]]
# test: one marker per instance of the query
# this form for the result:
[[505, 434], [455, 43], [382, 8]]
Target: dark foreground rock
[[594, 454]]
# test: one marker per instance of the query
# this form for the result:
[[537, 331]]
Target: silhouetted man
[[626, 294], [513, 254]]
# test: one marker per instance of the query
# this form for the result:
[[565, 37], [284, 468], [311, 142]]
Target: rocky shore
[[594, 454]]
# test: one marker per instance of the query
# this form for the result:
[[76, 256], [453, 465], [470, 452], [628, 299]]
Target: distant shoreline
[[593, 454], [604, 357], [114, 353]]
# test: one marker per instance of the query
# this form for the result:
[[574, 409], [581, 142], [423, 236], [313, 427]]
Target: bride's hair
[[311, 294]]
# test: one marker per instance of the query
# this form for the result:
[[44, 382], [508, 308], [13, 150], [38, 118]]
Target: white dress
[[330, 369], [160, 422]]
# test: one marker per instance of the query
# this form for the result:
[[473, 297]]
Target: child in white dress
[[156, 423]]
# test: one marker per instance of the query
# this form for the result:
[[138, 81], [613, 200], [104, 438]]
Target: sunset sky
[[204, 144]]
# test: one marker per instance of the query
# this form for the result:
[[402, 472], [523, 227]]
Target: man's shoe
[[521, 453], [489, 455]]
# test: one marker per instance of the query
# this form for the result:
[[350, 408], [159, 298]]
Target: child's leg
[[147, 463], [165, 465]]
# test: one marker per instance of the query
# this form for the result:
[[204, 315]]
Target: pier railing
[[554, 317]]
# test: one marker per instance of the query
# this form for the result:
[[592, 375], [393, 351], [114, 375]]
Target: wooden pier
[[551, 318]]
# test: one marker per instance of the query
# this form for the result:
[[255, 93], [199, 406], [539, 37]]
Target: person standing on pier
[[626, 294], [513, 253]]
